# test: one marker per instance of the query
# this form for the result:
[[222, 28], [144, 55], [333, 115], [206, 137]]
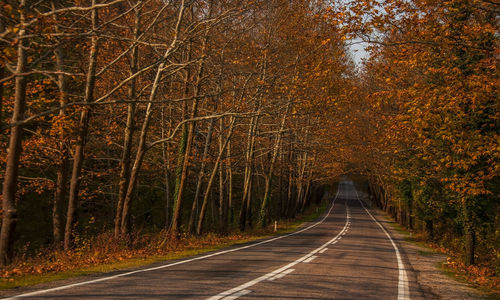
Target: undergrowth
[[482, 275], [98, 254]]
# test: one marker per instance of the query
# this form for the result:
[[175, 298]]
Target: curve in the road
[[229, 294], [403, 290], [64, 287], [403, 286], [273, 273]]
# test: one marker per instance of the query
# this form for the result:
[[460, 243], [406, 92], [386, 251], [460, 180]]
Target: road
[[347, 254]]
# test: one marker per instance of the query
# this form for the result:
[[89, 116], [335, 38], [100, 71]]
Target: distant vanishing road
[[347, 254]]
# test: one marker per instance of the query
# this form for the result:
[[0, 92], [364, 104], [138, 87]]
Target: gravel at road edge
[[434, 283]]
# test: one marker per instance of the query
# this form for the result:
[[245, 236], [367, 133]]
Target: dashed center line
[[310, 259], [282, 274], [69, 286], [283, 270], [238, 294]]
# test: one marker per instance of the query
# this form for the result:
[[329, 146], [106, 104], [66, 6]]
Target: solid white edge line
[[250, 283], [64, 287], [403, 290]]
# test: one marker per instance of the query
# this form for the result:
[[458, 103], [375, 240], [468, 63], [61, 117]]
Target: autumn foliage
[[180, 118], [428, 112]]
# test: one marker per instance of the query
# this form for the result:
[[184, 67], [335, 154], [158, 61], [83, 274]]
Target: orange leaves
[[62, 126], [443, 94], [107, 252], [483, 276], [432, 98]]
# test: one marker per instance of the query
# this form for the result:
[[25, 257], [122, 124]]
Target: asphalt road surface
[[347, 254]]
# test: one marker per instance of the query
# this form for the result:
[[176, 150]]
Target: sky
[[358, 52]]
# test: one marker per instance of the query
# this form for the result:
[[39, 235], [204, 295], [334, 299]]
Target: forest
[[123, 120]]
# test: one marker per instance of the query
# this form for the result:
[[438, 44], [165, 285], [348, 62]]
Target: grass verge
[[482, 278], [486, 286], [100, 256]]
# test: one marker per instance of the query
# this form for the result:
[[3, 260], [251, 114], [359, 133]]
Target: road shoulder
[[435, 284], [425, 264]]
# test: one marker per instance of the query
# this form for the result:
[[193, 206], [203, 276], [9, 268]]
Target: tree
[[83, 131], [432, 68], [9, 213]]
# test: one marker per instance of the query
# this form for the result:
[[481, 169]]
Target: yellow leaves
[[62, 126], [8, 53]]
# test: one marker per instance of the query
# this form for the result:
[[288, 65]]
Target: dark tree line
[[184, 116]]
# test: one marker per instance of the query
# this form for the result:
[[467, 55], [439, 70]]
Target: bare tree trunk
[[245, 201], [182, 154], [141, 150], [211, 180], [289, 204], [1, 90], [201, 174], [307, 197], [78, 156], [129, 131], [2, 71], [300, 182], [62, 168], [222, 203], [410, 213], [176, 222], [63, 165], [9, 209], [249, 198], [246, 208], [229, 162], [229, 174], [166, 170], [282, 209], [142, 147], [400, 214], [470, 233], [263, 216], [250, 180], [386, 200]]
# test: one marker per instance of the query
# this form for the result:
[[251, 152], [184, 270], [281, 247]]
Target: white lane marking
[[64, 287], [310, 259], [282, 274], [323, 251], [403, 290], [282, 269], [238, 294]]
